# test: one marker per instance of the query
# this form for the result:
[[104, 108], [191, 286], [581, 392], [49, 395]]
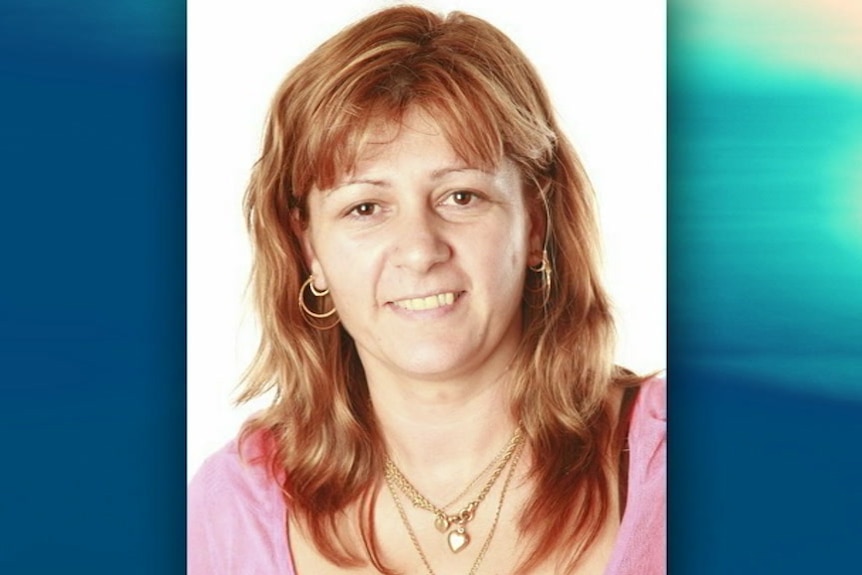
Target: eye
[[462, 198], [364, 209]]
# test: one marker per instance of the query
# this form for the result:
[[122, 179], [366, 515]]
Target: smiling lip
[[429, 302]]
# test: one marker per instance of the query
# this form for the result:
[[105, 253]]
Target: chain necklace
[[513, 454], [457, 538], [470, 485], [476, 479]]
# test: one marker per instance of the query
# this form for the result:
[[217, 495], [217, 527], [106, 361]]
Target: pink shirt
[[236, 512]]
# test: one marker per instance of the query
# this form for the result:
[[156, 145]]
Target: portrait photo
[[426, 261]]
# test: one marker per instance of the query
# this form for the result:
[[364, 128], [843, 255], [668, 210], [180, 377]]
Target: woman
[[435, 330]]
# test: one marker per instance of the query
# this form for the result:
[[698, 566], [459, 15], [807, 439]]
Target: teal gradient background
[[92, 297], [766, 198], [765, 286]]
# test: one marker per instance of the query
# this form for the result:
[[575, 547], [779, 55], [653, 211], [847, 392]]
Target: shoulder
[[231, 476], [648, 433], [641, 541], [236, 514], [650, 410]]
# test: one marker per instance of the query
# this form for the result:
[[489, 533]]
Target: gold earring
[[308, 313], [544, 268]]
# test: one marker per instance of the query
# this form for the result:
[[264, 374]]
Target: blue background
[[765, 292], [765, 350], [92, 296]]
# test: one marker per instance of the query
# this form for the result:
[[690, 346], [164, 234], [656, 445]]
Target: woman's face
[[425, 256]]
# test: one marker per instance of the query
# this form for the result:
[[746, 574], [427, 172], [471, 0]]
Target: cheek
[[346, 289], [350, 268], [517, 240], [505, 255]]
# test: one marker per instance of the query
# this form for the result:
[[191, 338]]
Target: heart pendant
[[441, 523], [458, 539]]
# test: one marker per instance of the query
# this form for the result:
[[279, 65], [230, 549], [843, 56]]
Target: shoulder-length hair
[[490, 103]]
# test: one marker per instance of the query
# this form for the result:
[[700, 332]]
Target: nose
[[420, 243]]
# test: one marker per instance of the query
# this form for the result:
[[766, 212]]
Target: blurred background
[[765, 284], [766, 190]]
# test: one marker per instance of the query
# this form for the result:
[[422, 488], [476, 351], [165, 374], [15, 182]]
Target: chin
[[434, 365]]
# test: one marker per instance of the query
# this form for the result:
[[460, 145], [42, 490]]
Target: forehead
[[460, 142], [415, 137]]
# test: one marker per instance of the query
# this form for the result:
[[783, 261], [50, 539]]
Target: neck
[[442, 433]]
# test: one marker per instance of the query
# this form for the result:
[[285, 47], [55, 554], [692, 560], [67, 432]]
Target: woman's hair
[[326, 448]]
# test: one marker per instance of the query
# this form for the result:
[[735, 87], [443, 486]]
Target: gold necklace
[[470, 485], [481, 474], [458, 538], [390, 479]]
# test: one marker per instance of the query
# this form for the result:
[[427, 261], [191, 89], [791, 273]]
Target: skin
[[412, 220]]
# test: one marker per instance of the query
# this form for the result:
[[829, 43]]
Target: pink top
[[236, 512]]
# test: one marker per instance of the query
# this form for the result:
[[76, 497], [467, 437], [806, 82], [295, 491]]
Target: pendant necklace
[[514, 454], [457, 538]]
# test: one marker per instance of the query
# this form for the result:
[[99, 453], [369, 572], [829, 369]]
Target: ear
[[303, 232]]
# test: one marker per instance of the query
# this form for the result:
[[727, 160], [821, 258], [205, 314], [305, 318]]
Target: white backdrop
[[604, 65]]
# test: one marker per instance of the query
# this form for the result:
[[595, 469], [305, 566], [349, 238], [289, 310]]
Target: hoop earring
[[308, 313], [544, 268]]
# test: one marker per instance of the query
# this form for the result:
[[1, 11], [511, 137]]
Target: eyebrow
[[435, 175], [439, 173]]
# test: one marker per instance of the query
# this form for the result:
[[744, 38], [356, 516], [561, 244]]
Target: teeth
[[430, 302]]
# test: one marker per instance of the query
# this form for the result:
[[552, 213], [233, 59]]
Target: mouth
[[428, 302]]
